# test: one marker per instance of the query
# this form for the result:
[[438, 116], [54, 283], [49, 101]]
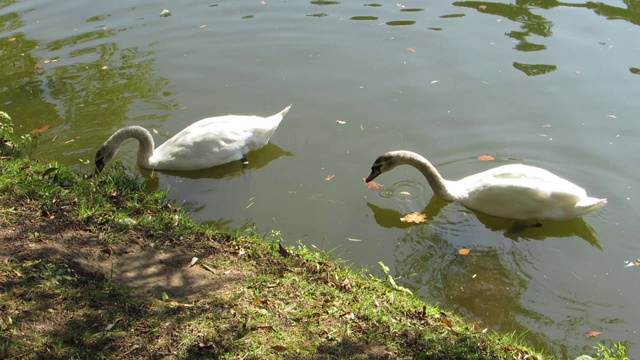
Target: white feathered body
[[214, 141], [522, 192]]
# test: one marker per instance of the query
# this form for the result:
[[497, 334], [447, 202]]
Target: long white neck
[[146, 144], [436, 181]]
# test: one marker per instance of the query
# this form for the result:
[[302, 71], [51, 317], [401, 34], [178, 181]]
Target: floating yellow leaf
[[40, 129], [372, 185], [486, 158], [414, 217], [464, 251], [329, 177]]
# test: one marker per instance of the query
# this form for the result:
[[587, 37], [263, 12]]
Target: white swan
[[511, 191], [207, 143]]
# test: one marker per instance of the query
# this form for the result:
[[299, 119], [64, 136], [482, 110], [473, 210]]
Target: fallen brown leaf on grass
[[346, 285], [446, 322], [349, 315], [414, 217]]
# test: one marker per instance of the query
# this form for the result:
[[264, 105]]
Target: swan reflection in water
[[512, 229], [257, 159]]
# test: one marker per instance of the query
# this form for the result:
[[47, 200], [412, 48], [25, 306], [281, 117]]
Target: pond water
[[545, 83]]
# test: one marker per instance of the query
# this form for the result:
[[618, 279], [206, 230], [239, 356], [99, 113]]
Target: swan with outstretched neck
[[206, 143], [512, 191]]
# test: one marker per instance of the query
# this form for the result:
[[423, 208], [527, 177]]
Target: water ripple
[[404, 191]]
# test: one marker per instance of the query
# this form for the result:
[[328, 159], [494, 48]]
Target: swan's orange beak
[[375, 171]]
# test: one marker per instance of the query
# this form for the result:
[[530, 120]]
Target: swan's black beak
[[375, 171], [99, 165]]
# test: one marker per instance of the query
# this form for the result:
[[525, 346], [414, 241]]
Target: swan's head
[[382, 164], [103, 156]]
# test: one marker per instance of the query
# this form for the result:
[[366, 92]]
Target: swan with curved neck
[[513, 191], [203, 144]]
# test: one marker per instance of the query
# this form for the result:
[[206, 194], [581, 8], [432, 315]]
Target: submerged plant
[[9, 145], [6, 134], [617, 351]]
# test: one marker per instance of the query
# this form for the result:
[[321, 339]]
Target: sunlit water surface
[[550, 84]]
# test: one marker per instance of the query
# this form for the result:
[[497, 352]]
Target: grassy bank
[[98, 267]]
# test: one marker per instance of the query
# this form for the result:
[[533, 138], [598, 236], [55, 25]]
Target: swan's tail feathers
[[284, 111], [589, 204]]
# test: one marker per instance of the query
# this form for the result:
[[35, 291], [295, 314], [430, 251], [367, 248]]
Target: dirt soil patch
[[31, 235]]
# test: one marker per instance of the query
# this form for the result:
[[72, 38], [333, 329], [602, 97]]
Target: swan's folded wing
[[517, 175], [521, 192], [211, 142]]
